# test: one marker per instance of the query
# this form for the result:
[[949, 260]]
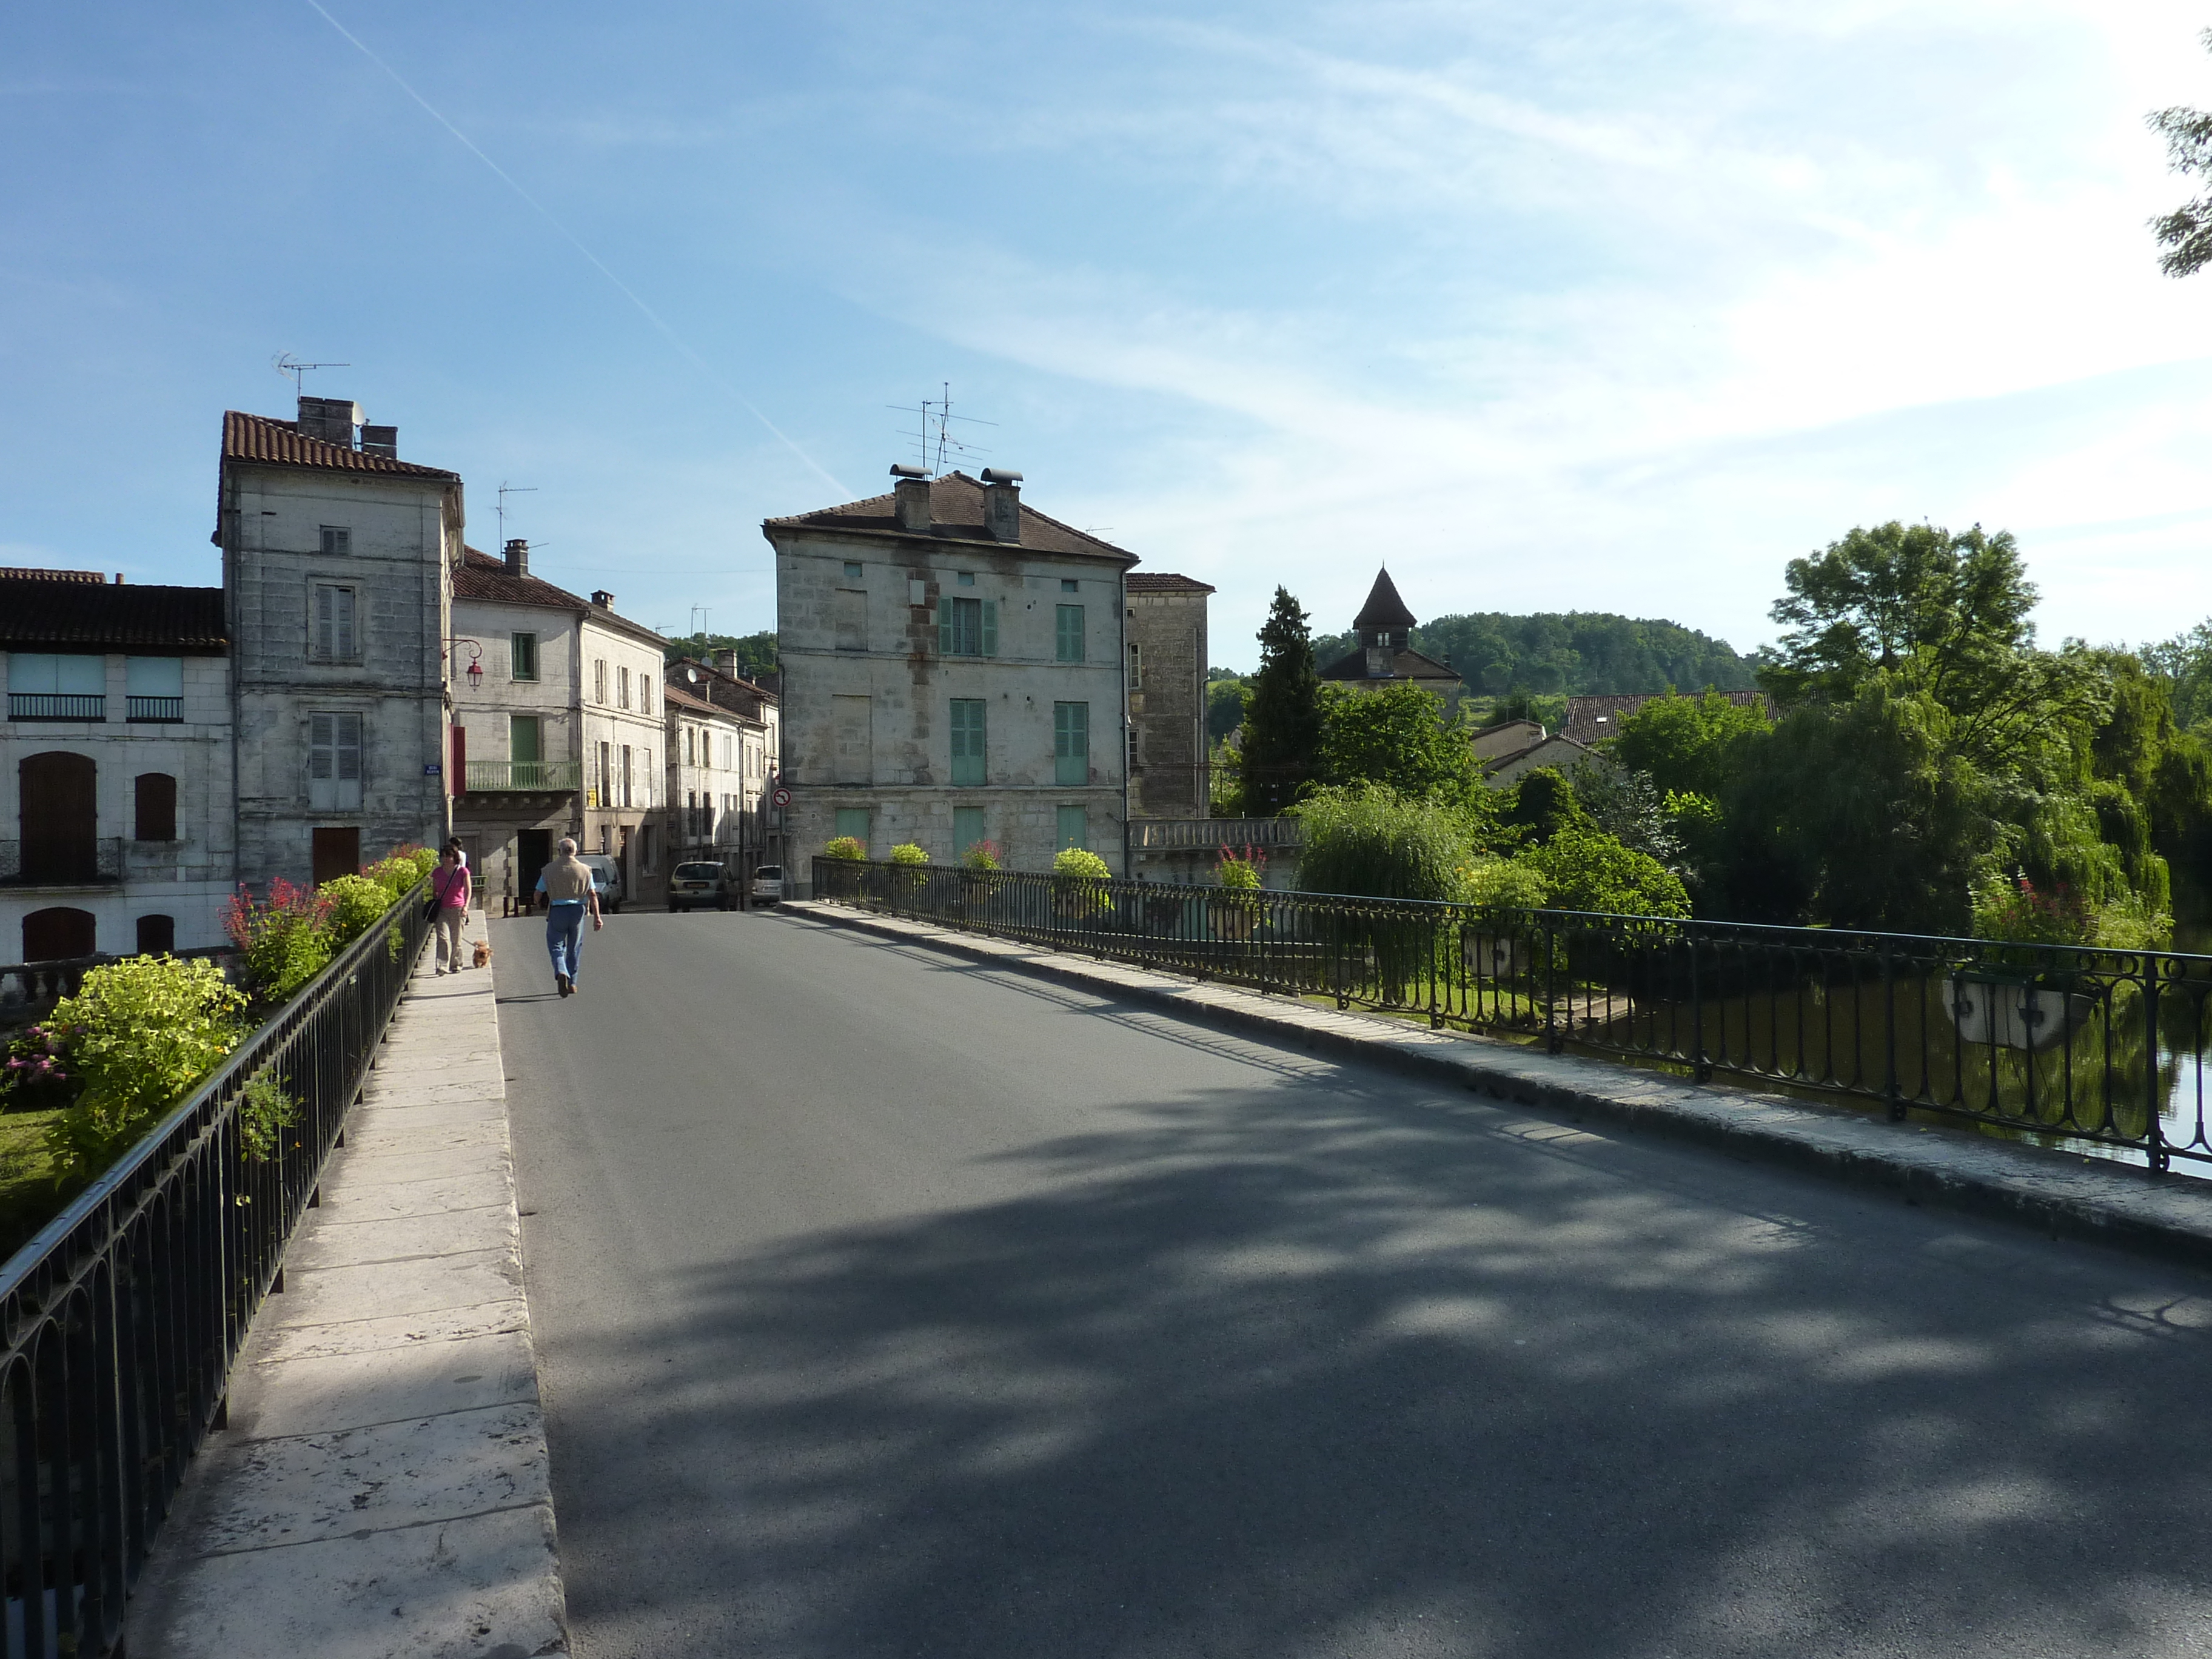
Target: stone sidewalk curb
[[381, 1486], [2062, 1194]]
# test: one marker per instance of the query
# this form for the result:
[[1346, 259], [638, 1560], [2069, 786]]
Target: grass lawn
[[28, 1199]]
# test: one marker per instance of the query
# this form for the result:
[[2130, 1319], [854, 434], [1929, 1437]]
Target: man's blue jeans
[[564, 936]]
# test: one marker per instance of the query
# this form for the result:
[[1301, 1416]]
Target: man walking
[[567, 884], [449, 890]]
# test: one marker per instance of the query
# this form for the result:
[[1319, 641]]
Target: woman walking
[[449, 889], [567, 884]]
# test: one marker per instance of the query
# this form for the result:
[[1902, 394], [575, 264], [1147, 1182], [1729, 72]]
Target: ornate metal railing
[[159, 709], [497, 775], [2054, 1043], [1207, 835], [121, 1319], [51, 706], [88, 861]]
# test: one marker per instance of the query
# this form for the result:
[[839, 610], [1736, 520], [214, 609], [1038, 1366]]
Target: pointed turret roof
[[1384, 609]]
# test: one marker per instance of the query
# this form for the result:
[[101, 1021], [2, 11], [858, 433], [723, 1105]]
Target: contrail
[[569, 236]]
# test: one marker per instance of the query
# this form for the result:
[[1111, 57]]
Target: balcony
[[1206, 834], [51, 706], [62, 861], [164, 710], [486, 777]]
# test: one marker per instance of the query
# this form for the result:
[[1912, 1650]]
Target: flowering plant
[[982, 855], [1245, 874], [848, 847], [284, 940], [37, 1074]]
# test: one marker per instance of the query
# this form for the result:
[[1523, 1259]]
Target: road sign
[[781, 798]]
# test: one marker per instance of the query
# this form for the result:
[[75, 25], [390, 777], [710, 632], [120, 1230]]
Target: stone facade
[[119, 822], [951, 666], [1167, 695], [721, 757], [336, 579], [624, 749]]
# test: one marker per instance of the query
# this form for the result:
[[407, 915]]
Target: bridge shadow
[[1278, 1371]]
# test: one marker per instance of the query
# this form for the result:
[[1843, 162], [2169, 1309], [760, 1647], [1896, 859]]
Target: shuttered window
[[334, 763], [522, 656], [156, 807], [1068, 633], [966, 742], [968, 628], [336, 638], [1071, 744], [1074, 827]]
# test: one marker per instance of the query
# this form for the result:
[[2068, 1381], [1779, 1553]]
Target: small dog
[[483, 953]]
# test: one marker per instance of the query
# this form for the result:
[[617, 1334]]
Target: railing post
[[1700, 1067], [2154, 1128], [1551, 1044], [1890, 1085]]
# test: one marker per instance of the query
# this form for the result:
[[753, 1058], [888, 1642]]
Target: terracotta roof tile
[[1164, 581], [281, 443], [956, 513], [483, 577], [73, 614]]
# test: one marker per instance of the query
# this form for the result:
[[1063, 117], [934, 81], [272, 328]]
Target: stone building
[[336, 562], [1166, 667], [1385, 655], [115, 767], [517, 765], [951, 674], [624, 723], [723, 752]]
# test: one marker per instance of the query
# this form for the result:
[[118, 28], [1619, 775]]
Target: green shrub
[[140, 1036], [1371, 841], [1244, 873], [284, 940], [264, 1112], [2014, 910], [1496, 883], [982, 856], [356, 904], [909, 853], [1587, 869], [405, 866], [848, 847], [1081, 863]]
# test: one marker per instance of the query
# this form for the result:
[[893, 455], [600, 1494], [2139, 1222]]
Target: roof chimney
[[333, 420], [517, 553], [1002, 504], [911, 502], [602, 599], [724, 658], [380, 440]]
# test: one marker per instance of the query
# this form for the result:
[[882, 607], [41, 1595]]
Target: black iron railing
[[2055, 1043], [121, 1319], [48, 706], [154, 708], [62, 861]]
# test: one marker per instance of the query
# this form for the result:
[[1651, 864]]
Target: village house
[[723, 750], [338, 559], [115, 767], [952, 673], [1166, 670], [625, 725]]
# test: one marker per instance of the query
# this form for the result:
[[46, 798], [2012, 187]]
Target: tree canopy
[[1581, 653], [1282, 720], [2185, 233]]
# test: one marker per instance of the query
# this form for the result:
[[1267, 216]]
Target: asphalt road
[[889, 1306]]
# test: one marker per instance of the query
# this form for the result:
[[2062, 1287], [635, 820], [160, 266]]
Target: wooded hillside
[[1580, 653]]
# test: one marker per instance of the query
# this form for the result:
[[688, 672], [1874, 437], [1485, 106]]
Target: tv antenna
[[936, 442], [704, 617], [505, 490], [285, 364]]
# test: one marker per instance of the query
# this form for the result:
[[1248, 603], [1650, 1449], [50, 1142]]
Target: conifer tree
[[1282, 723]]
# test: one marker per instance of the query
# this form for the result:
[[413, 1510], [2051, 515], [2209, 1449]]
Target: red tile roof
[[483, 577], [281, 443], [956, 513], [70, 613], [1164, 581]]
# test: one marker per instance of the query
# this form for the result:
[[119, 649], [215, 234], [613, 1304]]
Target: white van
[[768, 883], [606, 880]]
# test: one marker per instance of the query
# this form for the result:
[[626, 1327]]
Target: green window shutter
[[1071, 744], [990, 628], [944, 626], [967, 743], [1068, 635], [967, 829], [854, 821], [1074, 827]]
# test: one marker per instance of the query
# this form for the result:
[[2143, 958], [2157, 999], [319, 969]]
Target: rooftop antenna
[[704, 617], [285, 364], [936, 442], [505, 490]]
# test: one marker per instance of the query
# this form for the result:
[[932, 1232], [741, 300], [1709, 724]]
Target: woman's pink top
[[452, 887]]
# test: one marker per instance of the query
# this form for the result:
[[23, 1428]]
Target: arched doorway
[[60, 808], [58, 933]]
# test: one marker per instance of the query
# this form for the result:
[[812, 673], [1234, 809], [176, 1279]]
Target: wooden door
[[337, 853], [60, 817], [58, 934]]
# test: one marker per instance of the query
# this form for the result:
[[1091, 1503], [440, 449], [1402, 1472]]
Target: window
[[337, 541], [967, 829], [155, 808], [728, 751], [526, 752], [688, 759], [849, 618], [968, 628], [966, 578], [627, 777], [645, 839], [645, 692], [42, 686], [522, 656], [854, 821], [1136, 667], [603, 794], [622, 688], [1074, 827], [334, 763], [336, 639], [1069, 584], [154, 687], [852, 570], [157, 935], [1068, 633], [645, 779], [1071, 744], [967, 742], [599, 681]]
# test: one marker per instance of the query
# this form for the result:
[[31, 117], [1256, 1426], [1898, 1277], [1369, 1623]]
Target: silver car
[[768, 883]]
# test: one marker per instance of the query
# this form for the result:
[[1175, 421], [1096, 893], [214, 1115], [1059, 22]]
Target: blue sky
[[1553, 306]]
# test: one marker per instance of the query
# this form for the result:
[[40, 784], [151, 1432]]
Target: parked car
[[768, 883], [606, 880], [690, 885]]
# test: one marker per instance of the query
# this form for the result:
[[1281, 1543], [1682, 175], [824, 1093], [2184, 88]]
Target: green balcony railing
[[524, 775]]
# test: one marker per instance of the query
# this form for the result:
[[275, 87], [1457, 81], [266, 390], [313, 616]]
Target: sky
[[1550, 307]]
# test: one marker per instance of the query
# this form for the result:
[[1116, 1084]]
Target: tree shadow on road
[[1284, 1372]]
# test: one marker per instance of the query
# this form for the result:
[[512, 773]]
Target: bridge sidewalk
[[381, 1488], [2167, 1215]]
